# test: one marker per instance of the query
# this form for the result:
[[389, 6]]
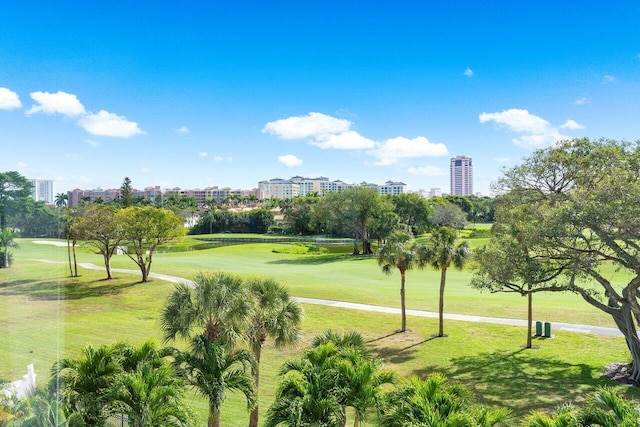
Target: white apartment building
[[42, 190], [301, 186], [461, 176]]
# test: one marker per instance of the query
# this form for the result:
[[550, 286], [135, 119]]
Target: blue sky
[[228, 93]]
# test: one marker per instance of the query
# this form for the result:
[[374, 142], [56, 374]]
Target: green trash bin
[[547, 330], [538, 329]]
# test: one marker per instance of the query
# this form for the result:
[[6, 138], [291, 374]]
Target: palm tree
[[274, 315], [61, 200], [565, 416], [41, 408], [215, 305], [151, 396], [84, 383], [399, 252], [309, 394], [441, 253], [6, 242], [349, 339], [609, 409], [212, 368], [432, 402], [363, 378]]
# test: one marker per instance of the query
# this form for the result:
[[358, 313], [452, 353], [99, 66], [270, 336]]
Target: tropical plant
[[441, 253], [399, 252], [275, 316], [433, 402], [215, 305], [212, 368], [61, 200], [7, 241], [564, 416], [309, 394]]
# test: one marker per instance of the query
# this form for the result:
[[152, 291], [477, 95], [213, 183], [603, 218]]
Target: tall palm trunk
[[214, 419], [75, 259], [69, 255], [402, 302], [443, 280], [253, 418]]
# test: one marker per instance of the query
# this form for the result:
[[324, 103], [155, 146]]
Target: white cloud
[[85, 179], [313, 124], [350, 140], [501, 159], [518, 121], [203, 154], [290, 160], [468, 72], [399, 147], [92, 143], [608, 79], [22, 165], [222, 159], [581, 101], [427, 171], [9, 99], [181, 130], [109, 124], [73, 156], [571, 124], [537, 131], [144, 169], [60, 102]]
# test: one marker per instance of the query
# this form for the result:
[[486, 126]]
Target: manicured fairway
[[43, 314]]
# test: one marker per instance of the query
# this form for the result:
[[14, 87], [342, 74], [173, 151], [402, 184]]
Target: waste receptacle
[[538, 329], [547, 330]]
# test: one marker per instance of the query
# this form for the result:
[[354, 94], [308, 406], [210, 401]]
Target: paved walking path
[[569, 327]]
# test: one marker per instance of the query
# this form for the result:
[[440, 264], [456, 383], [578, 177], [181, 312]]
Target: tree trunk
[[402, 303], [6, 257], [626, 323], [214, 419], [529, 317], [356, 250], [443, 279], [69, 256], [253, 418], [75, 259], [107, 265], [356, 421]]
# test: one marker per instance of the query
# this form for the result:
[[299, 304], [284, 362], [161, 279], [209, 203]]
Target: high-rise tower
[[461, 176]]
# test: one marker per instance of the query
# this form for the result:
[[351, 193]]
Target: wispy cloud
[[581, 101], [427, 171], [571, 124], [203, 154], [290, 160], [608, 79], [22, 165], [108, 124], [144, 169], [468, 72], [222, 159], [73, 156], [9, 100], [60, 102], [92, 143], [349, 140], [181, 130], [535, 131]]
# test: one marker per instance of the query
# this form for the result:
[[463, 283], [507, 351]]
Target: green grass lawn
[[44, 314]]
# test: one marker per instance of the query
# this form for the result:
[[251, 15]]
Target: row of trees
[[137, 231]]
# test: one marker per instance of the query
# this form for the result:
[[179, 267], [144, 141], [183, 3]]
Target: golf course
[[46, 314]]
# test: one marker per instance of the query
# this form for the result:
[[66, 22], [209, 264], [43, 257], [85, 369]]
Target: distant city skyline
[[232, 93]]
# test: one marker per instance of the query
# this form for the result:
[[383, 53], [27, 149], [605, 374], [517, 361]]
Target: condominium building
[[461, 176], [42, 190], [301, 186]]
